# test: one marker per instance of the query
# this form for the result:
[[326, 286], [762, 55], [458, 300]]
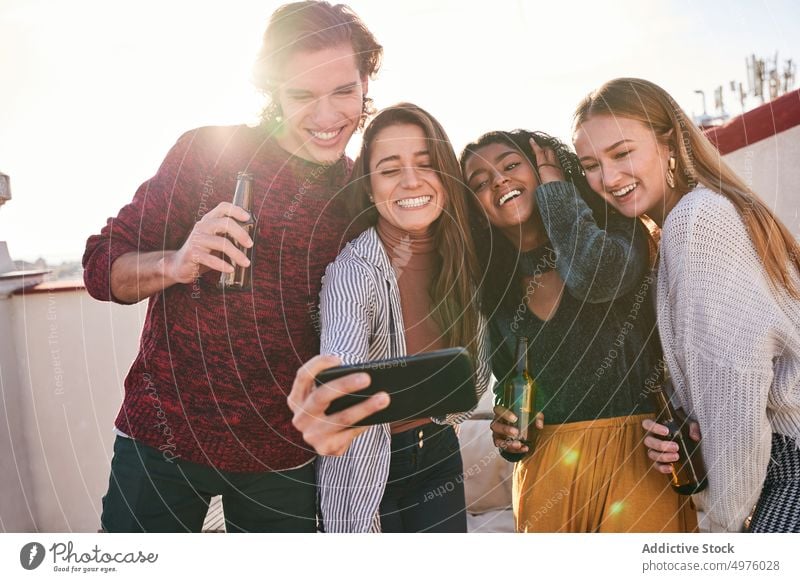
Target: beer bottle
[[241, 279], [688, 472], [520, 395]]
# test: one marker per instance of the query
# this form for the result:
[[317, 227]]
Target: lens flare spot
[[616, 508], [569, 456]]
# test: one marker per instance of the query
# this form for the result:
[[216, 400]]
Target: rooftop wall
[[72, 354]]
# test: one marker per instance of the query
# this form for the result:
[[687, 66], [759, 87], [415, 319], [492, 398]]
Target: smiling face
[[504, 183], [406, 189], [321, 99], [626, 164]]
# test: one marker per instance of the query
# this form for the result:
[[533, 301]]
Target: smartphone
[[420, 386]]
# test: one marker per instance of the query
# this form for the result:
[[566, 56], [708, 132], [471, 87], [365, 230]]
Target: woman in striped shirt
[[404, 286]]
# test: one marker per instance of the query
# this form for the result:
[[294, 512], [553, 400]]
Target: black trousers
[[425, 492], [778, 508], [149, 493]]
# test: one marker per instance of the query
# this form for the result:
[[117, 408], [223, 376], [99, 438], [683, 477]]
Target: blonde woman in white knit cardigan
[[728, 299]]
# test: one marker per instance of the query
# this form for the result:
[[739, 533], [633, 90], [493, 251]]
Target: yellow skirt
[[595, 476]]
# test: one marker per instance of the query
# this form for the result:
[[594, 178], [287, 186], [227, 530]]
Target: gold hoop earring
[[671, 171]]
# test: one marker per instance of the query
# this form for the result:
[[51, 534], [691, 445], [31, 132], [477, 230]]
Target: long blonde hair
[[698, 161]]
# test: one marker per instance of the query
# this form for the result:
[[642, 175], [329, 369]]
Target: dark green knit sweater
[[599, 351]]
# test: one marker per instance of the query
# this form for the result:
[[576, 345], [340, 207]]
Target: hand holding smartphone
[[431, 384]]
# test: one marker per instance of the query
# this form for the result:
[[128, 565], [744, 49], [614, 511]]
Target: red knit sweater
[[210, 381]]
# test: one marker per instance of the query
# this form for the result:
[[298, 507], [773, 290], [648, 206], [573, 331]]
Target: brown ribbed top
[[414, 259]]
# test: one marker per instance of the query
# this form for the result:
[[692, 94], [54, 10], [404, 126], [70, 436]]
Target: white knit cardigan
[[732, 346]]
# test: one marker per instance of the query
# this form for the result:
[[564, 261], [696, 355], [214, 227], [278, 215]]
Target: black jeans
[[149, 493], [425, 492]]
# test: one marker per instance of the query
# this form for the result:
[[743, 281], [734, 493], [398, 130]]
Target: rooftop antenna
[[774, 79], [703, 97], [719, 104], [789, 72], [755, 77], [741, 95], [704, 119]]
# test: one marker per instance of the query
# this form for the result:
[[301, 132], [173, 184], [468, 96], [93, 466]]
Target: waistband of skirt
[[594, 424]]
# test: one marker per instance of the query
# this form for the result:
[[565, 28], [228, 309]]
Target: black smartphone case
[[430, 384]]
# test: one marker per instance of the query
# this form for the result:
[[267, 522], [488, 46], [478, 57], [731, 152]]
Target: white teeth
[[414, 202], [325, 135], [622, 191], [509, 196]]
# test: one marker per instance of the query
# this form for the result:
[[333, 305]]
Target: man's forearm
[[137, 276]]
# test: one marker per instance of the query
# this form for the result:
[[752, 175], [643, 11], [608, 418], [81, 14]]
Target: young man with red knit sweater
[[205, 410]]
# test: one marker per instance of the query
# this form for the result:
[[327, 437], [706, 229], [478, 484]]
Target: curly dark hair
[[498, 258]]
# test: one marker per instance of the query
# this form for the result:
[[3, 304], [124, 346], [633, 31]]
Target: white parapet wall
[[63, 366], [763, 147], [771, 167], [16, 511]]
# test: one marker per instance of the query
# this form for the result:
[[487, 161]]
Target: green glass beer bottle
[[520, 395]]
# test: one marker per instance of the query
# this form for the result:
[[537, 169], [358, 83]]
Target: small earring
[[671, 171], [371, 199]]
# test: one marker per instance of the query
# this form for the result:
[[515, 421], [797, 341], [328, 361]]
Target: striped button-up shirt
[[362, 320]]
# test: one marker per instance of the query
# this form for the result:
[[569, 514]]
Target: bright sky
[[94, 92]]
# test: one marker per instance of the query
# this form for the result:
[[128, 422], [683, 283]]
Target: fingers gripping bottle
[[688, 474]]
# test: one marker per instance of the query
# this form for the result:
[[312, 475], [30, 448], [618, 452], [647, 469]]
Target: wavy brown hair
[[453, 288], [311, 26], [698, 161]]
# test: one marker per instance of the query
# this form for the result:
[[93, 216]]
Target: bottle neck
[[522, 355], [243, 196], [661, 402]]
